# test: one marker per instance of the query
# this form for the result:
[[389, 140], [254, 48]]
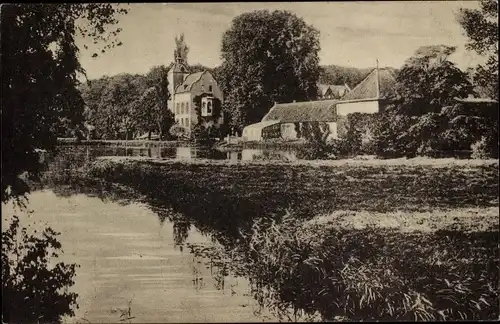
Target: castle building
[[194, 97]]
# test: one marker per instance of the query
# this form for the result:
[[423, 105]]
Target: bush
[[481, 149], [33, 292], [178, 131]]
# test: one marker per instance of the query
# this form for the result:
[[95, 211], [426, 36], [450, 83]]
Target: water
[[132, 255], [180, 153], [127, 254]]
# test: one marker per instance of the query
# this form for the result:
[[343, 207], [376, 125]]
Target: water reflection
[[130, 260], [86, 154]]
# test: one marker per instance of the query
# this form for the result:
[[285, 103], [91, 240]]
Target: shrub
[[33, 292], [481, 149], [178, 131]]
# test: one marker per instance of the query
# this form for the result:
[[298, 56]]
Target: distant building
[[331, 91], [184, 87]]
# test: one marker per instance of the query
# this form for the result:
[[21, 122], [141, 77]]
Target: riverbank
[[418, 161]]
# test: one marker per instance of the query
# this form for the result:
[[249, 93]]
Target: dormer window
[[209, 108], [206, 106]]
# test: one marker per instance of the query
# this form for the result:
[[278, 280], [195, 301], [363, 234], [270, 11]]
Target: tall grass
[[370, 274]]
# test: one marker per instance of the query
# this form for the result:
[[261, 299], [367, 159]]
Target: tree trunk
[[160, 130]]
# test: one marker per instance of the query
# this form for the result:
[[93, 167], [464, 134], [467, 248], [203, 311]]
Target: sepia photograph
[[228, 162]]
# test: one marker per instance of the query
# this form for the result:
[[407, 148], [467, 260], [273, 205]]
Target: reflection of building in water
[[248, 154], [184, 153], [233, 156]]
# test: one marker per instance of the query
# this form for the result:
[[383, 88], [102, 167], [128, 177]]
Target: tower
[[179, 69]]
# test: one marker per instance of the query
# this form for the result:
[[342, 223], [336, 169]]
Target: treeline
[[341, 75], [126, 105]]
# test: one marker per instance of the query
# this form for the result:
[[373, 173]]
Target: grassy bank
[[356, 240]]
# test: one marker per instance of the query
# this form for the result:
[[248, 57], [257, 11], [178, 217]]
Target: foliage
[[482, 149], [115, 103], [152, 112], [267, 57], [178, 131], [316, 134], [387, 130], [33, 291], [481, 27], [428, 81], [39, 77]]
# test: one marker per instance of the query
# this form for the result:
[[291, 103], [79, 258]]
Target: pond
[[131, 255], [127, 255]]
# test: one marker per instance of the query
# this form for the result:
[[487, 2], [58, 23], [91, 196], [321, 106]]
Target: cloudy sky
[[352, 33]]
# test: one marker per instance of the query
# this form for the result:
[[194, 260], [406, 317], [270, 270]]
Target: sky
[[351, 33]]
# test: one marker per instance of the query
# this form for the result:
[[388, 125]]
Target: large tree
[[428, 81], [152, 113], [39, 63], [481, 27], [267, 57], [112, 104]]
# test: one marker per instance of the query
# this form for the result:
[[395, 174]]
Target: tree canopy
[[481, 27], [267, 57], [428, 81], [39, 77]]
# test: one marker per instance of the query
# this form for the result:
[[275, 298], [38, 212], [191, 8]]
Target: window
[[209, 88], [202, 88], [182, 121], [204, 108], [182, 108], [177, 109], [187, 107], [209, 108]]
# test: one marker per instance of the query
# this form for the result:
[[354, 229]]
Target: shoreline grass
[[419, 161]]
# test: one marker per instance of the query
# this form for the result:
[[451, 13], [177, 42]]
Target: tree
[[112, 105], [33, 291], [152, 112], [428, 81], [39, 78], [267, 57], [481, 27]]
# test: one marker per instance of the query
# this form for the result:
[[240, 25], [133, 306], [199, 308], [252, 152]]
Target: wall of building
[[183, 108], [207, 84], [368, 107]]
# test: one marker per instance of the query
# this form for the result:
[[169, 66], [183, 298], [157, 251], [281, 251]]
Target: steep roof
[[305, 111], [367, 89], [323, 88], [188, 82]]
